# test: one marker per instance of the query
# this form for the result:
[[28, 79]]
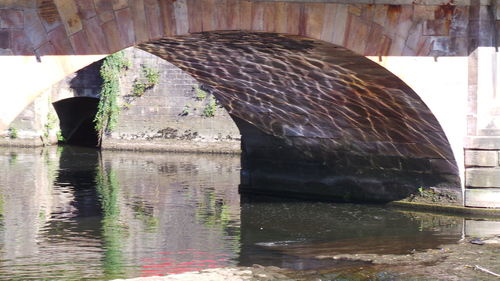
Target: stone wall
[[175, 114], [172, 115]]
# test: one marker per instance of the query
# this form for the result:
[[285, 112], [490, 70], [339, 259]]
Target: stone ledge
[[483, 198], [455, 210], [21, 142], [482, 142], [173, 145], [388, 2], [482, 177]]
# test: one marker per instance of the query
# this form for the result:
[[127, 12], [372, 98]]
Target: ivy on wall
[[108, 109]]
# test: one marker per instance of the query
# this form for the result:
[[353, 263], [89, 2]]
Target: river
[[70, 213]]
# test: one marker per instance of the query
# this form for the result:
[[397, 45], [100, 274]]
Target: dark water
[[70, 214]]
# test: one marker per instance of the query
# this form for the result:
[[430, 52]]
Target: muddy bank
[[227, 274], [470, 259]]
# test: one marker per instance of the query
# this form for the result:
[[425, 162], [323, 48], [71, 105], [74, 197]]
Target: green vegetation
[[186, 110], [13, 134], [200, 95], [51, 124], [108, 109], [210, 107], [60, 137], [150, 76]]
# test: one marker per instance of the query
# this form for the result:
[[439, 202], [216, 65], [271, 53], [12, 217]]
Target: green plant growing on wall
[[186, 110], [210, 107], [60, 137], [108, 109], [199, 93], [13, 134], [51, 124], [150, 77]]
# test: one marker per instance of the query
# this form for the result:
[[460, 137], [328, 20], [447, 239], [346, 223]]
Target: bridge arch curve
[[315, 30]]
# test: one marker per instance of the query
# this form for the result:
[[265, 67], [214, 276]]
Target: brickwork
[[171, 110]]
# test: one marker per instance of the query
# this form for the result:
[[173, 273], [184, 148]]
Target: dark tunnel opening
[[76, 117]]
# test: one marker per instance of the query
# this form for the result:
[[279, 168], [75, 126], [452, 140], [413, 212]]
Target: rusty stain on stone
[[445, 11], [48, 11], [393, 12]]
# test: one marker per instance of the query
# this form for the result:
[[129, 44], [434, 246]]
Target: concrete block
[[482, 177], [483, 142], [482, 198], [481, 158], [481, 228]]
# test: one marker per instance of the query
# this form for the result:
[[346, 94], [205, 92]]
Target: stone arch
[[60, 30], [302, 102]]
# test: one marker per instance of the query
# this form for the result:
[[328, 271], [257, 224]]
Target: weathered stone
[[415, 164], [482, 142], [4, 39], [357, 34], [181, 17], [444, 166], [126, 27], [386, 162], [140, 25], [34, 29], [119, 4], [482, 198], [86, 8], [47, 49], [153, 18], [481, 158], [68, 10], [11, 19], [60, 41], [21, 44], [96, 37], [482, 177], [80, 43], [113, 37], [437, 27]]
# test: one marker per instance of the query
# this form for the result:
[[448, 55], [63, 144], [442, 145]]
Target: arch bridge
[[365, 99]]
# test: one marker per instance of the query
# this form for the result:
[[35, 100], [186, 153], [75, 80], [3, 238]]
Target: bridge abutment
[[482, 146]]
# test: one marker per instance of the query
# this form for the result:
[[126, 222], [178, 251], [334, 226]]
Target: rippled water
[[71, 213]]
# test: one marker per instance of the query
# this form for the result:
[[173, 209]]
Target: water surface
[[71, 213]]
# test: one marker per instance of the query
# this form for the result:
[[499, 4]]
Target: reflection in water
[[73, 213]]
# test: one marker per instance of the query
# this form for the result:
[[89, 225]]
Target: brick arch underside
[[356, 123]]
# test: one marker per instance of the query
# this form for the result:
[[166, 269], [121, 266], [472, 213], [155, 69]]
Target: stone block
[[483, 198], [68, 10], [119, 4], [415, 164], [11, 19], [482, 177], [442, 166], [481, 158], [60, 40], [86, 8], [34, 29], [483, 142], [125, 25], [21, 44], [436, 27], [386, 162], [481, 228], [4, 39], [96, 37]]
